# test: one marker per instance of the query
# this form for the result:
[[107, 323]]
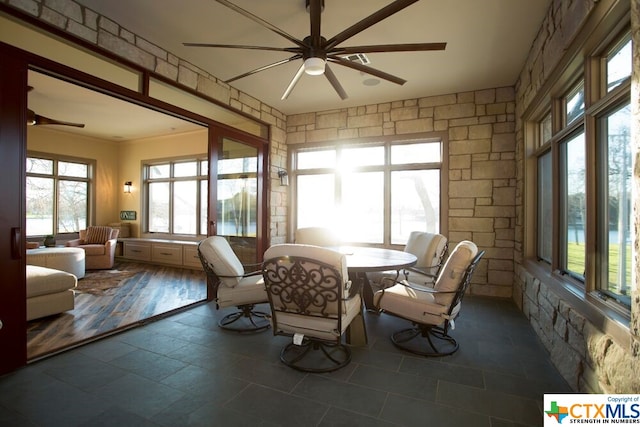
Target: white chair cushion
[[44, 281], [217, 251], [427, 247], [249, 290], [419, 307], [453, 270]]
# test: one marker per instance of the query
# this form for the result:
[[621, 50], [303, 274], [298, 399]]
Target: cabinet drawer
[[139, 251], [168, 254], [191, 258]]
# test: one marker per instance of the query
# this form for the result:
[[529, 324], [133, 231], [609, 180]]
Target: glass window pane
[[237, 165], [159, 171], [575, 103], [159, 207], [78, 170], [204, 207], [362, 218], [185, 169], [41, 166], [415, 203], [204, 167], [425, 152], [184, 207], [619, 66], [39, 206], [72, 206], [316, 159], [545, 129], [619, 213], [365, 156], [316, 201], [545, 197], [574, 205], [237, 207]]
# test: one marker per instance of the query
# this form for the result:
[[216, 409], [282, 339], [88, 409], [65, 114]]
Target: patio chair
[[430, 249], [232, 286], [317, 236], [312, 301], [431, 310]]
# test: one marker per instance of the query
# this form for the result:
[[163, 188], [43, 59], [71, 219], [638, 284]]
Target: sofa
[[49, 291], [99, 244]]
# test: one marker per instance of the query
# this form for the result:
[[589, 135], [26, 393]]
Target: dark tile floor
[[185, 371]]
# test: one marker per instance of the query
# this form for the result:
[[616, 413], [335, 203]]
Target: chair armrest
[[111, 242], [75, 242]]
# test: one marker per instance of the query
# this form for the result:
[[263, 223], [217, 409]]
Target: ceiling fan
[[316, 51], [34, 119]]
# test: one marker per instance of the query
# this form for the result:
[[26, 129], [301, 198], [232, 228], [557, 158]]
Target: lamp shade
[[314, 66]]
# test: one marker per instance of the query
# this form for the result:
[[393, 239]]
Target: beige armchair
[[99, 244]]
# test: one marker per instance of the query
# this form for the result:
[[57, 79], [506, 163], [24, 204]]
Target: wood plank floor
[[146, 291]]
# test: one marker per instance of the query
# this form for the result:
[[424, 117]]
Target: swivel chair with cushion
[[317, 236], [99, 244], [430, 250], [311, 300], [431, 310], [232, 286]]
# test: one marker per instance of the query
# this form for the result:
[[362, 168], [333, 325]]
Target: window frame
[[90, 180], [599, 101], [387, 168], [200, 176]]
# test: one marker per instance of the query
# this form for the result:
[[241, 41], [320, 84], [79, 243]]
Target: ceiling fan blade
[[293, 83], [335, 83], [365, 69], [35, 119], [238, 46], [367, 22], [261, 21], [406, 47], [263, 68], [315, 10]]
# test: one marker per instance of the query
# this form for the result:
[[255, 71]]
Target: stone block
[[475, 188], [480, 131], [504, 278], [54, 18], [365, 120], [187, 77], [460, 161], [461, 203], [414, 126], [332, 120], [455, 111], [484, 239], [494, 169], [126, 50], [566, 361], [470, 147], [458, 133], [67, 8], [370, 131], [504, 196], [471, 224], [165, 69], [435, 101], [503, 142], [487, 96], [301, 119], [213, 89], [495, 211], [322, 135], [405, 113]]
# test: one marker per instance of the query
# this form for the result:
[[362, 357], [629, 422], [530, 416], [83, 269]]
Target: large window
[[58, 194], [176, 196], [375, 193], [585, 142]]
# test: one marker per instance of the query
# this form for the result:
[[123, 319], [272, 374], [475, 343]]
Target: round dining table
[[360, 261]]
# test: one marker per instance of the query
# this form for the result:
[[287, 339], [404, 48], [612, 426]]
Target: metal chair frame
[[445, 344], [259, 320], [304, 286]]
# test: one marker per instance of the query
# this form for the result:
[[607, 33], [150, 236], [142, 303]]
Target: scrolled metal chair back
[[304, 286]]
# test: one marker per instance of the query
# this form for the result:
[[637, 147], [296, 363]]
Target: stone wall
[[479, 130], [588, 357], [102, 32]]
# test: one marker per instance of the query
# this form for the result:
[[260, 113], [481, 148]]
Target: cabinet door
[[166, 253], [13, 294], [137, 250], [190, 256]]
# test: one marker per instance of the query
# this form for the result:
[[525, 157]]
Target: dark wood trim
[[13, 291]]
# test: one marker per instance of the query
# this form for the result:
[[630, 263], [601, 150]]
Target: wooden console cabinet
[[160, 251]]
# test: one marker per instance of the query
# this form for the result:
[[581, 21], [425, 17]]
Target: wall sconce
[[127, 187], [284, 177]]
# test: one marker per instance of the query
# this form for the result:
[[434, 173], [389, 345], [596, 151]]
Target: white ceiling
[[487, 43]]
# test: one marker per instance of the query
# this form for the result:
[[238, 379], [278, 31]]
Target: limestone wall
[[588, 355], [94, 28], [479, 129]]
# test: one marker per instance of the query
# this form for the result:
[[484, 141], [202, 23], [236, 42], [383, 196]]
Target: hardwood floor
[[144, 291]]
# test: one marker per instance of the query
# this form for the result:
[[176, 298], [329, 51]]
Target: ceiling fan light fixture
[[314, 66]]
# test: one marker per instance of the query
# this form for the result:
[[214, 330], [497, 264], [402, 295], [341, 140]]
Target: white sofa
[[49, 291]]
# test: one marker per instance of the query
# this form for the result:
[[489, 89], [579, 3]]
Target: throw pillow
[[97, 235]]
